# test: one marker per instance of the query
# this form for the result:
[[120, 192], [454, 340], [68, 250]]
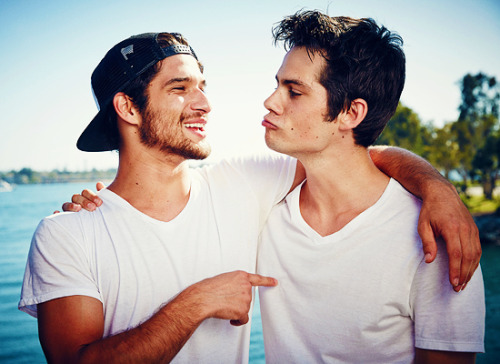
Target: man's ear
[[125, 108], [355, 115]]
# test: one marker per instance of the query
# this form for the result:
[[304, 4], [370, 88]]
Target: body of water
[[23, 208]]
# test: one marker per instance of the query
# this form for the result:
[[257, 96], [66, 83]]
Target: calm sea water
[[23, 208]]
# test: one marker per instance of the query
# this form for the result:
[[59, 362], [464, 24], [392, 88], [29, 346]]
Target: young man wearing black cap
[[354, 286], [132, 281], [105, 286]]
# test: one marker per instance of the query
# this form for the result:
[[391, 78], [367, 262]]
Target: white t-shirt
[[363, 294], [134, 264]]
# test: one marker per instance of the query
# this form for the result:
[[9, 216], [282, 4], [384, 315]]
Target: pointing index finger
[[258, 280]]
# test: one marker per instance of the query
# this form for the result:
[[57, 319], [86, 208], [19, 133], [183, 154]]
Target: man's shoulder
[[75, 222], [112, 206], [245, 163], [62, 226], [66, 218], [397, 213], [401, 198], [250, 170]]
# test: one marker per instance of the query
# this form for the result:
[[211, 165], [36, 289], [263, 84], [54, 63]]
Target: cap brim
[[95, 137]]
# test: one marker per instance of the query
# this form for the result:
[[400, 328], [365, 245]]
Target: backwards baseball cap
[[119, 67]]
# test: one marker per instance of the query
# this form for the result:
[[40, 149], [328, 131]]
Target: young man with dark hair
[[169, 257], [163, 264], [344, 247]]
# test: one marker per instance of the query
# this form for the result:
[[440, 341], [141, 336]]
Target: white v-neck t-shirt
[[363, 294], [135, 264]]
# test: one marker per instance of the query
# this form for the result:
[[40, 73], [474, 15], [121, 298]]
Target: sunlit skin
[[176, 116], [297, 123], [157, 143]]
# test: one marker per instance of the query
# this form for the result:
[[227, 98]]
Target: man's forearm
[[443, 357], [416, 174], [157, 340], [71, 328]]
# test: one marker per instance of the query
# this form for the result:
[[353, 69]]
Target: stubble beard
[[157, 131]]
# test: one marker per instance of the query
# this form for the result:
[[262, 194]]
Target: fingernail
[[427, 257], [90, 205], [455, 282]]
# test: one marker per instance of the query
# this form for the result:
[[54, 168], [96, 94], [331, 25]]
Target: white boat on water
[[5, 186]]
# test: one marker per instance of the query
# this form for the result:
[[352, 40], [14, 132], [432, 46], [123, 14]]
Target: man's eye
[[293, 93]]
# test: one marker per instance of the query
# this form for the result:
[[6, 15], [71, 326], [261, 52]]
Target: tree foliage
[[404, 130], [477, 129], [470, 145]]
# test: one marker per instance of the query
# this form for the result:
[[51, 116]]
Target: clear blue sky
[[49, 49]]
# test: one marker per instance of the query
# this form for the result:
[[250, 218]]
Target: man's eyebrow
[[293, 81], [181, 80], [177, 80]]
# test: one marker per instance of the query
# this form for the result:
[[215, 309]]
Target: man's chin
[[200, 156], [203, 151], [197, 153], [271, 144]]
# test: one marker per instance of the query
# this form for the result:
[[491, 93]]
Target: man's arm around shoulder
[[442, 215]]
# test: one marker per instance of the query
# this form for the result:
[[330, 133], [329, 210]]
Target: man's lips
[[269, 125], [200, 126], [197, 127]]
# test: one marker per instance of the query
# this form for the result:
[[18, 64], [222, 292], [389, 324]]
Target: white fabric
[[363, 294], [134, 264]]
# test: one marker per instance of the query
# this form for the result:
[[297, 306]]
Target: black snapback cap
[[121, 65]]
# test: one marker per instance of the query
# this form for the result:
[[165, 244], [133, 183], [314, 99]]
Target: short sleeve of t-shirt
[[57, 265], [444, 319]]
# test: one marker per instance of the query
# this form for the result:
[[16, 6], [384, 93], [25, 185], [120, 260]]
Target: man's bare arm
[[443, 357], [71, 328], [442, 215]]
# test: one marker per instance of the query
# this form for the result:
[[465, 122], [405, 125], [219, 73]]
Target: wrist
[[432, 188]]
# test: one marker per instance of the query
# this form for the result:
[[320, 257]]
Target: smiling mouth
[[196, 126], [197, 129]]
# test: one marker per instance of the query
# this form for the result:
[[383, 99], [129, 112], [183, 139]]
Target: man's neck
[[338, 188], [155, 184]]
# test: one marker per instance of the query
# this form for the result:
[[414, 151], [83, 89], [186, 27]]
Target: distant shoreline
[[28, 176]]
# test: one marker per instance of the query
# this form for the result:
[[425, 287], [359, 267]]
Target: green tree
[[486, 163], [476, 130], [405, 130], [442, 150], [26, 175]]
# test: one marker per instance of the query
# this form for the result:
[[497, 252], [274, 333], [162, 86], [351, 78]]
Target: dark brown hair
[[363, 61]]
